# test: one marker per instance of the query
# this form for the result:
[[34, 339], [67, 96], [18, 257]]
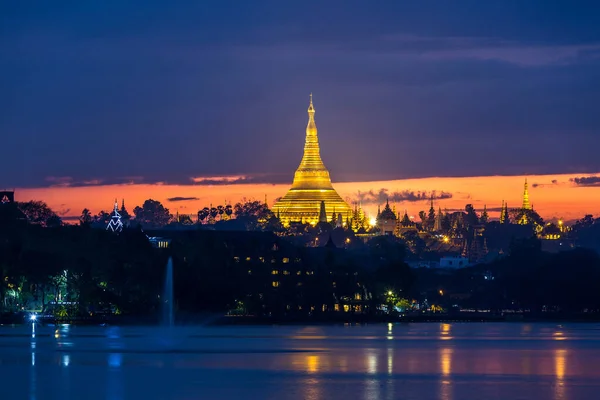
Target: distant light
[[390, 293], [33, 317], [372, 221]]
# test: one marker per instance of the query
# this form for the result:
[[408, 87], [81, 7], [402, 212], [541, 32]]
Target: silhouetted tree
[[85, 218], [152, 214], [254, 214], [37, 212], [53, 221], [102, 218]]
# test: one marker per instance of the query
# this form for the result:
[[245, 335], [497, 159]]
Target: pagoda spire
[[526, 204], [312, 183], [322, 213]]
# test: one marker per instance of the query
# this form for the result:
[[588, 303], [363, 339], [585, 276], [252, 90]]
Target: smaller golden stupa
[[311, 186]]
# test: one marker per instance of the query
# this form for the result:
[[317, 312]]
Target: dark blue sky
[[107, 90]]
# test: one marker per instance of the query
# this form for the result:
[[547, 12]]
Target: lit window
[[261, 259], [298, 273], [357, 296], [286, 272], [248, 258], [346, 308], [286, 260], [274, 272], [249, 272], [275, 284], [236, 259], [336, 307]]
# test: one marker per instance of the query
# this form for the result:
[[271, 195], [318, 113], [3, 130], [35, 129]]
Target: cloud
[[586, 181], [181, 198], [239, 180], [59, 181], [383, 195], [553, 182], [68, 181]]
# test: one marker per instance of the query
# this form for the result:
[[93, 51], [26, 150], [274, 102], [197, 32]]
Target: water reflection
[[445, 332], [66, 360], [560, 367], [32, 369], [371, 362], [390, 360], [390, 371], [312, 390], [446, 370], [312, 363], [372, 384], [114, 387], [446, 361], [115, 360]]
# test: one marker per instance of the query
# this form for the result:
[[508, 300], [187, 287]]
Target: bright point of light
[[390, 293], [32, 317], [372, 221]]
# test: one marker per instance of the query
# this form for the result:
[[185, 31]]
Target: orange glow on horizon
[[552, 196]]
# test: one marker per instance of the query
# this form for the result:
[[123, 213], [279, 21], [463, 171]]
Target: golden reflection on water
[[446, 361], [446, 369], [390, 360], [558, 335], [312, 363], [445, 331], [560, 368]]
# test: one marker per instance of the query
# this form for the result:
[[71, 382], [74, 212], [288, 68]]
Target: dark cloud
[[383, 195], [553, 182], [586, 181], [180, 198], [239, 180]]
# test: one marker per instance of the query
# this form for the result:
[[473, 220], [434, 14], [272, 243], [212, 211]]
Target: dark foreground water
[[402, 361]]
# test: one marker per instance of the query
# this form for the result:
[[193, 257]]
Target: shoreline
[[225, 320]]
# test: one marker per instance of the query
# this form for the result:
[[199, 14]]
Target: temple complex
[[311, 198]]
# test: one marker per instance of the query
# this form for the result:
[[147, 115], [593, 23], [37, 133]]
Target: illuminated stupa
[[311, 186]]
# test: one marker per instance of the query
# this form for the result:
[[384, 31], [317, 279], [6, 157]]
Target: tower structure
[[311, 185], [526, 204], [386, 220], [115, 224]]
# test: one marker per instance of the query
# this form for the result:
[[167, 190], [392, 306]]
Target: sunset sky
[[164, 100]]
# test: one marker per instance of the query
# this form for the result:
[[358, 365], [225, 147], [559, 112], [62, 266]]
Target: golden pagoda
[[311, 186]]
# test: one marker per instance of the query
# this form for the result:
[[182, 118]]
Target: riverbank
[[216, 319]]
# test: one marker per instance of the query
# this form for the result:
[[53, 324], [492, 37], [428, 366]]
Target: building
[[454, 262], [9, 212], [311, 185], [386, 220]]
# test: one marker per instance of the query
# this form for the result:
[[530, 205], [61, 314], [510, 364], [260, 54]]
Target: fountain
[[168, 317]]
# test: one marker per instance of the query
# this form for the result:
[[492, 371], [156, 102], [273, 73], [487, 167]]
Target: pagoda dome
[[387, 214]]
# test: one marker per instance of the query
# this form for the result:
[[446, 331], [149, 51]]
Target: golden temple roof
[[311, 185]]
